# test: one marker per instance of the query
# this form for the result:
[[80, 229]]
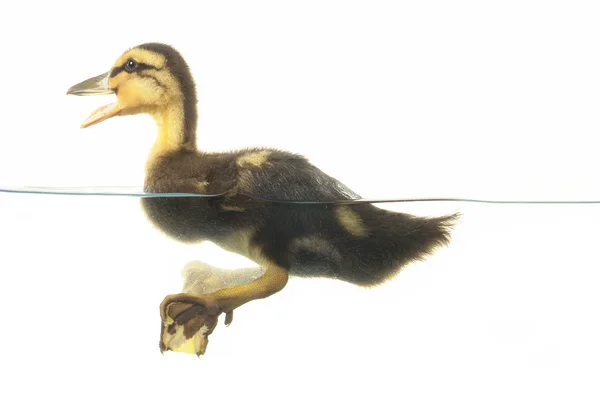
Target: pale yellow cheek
[[116, 81], [137, 93]]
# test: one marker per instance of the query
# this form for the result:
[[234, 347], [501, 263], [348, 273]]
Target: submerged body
[[357, 243]]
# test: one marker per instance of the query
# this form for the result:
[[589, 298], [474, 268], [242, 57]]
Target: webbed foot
[[187, 321]]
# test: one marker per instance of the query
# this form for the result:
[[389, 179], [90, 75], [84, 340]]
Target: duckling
[[357, 243]]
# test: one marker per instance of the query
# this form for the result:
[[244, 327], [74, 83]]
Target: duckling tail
[[380, 242]]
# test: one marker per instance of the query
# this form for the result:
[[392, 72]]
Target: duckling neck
[[176, 129]]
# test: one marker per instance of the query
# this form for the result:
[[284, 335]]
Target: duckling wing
[[279, 175]]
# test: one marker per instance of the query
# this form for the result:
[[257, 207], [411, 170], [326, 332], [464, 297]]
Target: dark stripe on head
[[181, 72], [140, 67]]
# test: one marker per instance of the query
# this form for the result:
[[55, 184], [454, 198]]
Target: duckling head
[[151, 78]]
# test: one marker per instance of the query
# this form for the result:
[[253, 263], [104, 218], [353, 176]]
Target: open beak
[[96, 86]]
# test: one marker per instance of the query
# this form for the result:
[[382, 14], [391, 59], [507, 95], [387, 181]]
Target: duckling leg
[[227, 299], [189, 318], [201, 278]]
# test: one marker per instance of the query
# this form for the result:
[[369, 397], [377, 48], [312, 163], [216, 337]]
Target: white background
[[493, 100]]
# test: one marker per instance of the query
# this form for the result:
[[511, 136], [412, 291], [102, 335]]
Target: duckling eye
[[131, 65]]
